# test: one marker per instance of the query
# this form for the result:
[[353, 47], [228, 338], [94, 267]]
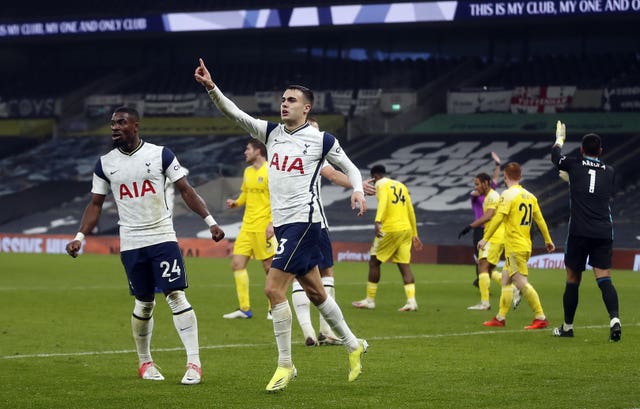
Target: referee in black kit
[[590, 227]]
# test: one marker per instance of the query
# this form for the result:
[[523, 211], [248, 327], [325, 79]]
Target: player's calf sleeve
[[301, 304], [531, 295], [410, 291], [333, 315], [186, 323], [506, 297], [570, 301], [609, 295], [241, 278], [142, 328], [329, 288], [282, 318], [372, 289], [484, 282]]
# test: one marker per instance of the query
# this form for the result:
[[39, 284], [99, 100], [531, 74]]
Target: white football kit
[[137, 180], [295, 159]]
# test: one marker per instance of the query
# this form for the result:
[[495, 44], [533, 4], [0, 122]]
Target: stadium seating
[[587, 71], [438, 171]]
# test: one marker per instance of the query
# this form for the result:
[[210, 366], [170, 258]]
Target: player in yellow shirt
[[256, 237], [489, 257], [396, 231], [516, 211]]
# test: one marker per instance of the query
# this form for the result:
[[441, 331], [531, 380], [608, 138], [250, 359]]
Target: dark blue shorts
[[579, 248], [298, 248], [326, 250], [160, 265]]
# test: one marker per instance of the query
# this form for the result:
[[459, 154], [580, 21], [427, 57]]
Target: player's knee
[[274, 294], [269, 291], [236, 265], [143, 310], [178, 303]]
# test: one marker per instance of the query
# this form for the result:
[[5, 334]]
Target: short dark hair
[[483, 177], [256, 144], [378, 170], [128, 110], [591, 144], [308, 94]]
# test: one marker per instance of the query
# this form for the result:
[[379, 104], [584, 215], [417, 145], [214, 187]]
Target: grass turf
[[65, 341]]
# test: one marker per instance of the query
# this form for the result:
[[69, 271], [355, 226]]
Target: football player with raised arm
[[517, 210], [591, 184], [136, 172], [296, 153]]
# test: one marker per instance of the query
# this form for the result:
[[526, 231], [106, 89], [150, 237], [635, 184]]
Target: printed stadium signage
[[621, 99], [469, 102], [311, 16], [342, 251], [541, 99]]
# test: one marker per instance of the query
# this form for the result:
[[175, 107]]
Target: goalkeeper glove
[[564, 175], [561, 133], [464, 231]]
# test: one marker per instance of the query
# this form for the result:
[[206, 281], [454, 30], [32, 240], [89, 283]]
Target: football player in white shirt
[[136, 172], [296, 153], [301, 302]]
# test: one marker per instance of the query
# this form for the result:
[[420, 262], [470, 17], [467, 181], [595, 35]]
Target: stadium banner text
[[76, 27], [342, 251], [56, 243], [318, 16]]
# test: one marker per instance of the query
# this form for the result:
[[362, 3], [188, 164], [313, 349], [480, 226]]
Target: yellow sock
[[242, 288], [506, 296], [372, 289], [484, 282], [496, 276], [410, 291], [533, 300]]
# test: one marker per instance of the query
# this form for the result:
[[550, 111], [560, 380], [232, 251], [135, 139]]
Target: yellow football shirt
[[491, 201], [516, 210], [255, 198], [395, 209]]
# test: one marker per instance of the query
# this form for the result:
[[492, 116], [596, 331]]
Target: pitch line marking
[[387, 338]]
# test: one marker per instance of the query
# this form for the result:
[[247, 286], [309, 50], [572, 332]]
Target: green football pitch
[[65, 342]]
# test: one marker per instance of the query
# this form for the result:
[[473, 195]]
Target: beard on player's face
[[118, 143], [125, 140]]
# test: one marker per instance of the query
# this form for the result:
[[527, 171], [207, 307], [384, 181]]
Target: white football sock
[[282, 318], [301, 305], [142, 328], [186, 323], [329, 288], [332, 313]]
